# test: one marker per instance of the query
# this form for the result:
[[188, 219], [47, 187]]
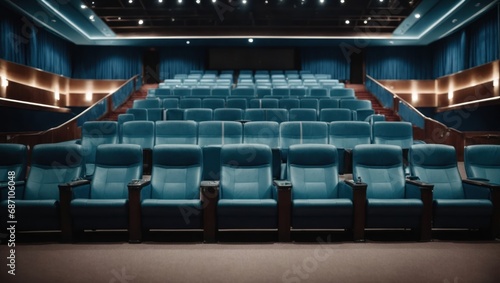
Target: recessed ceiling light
[[250, 40], [347, 22], [141, 22], [417, 15], [454, 21], [244, 1], [267, 2], [321, 1], [391, 42], [160, 1], [173, 19], [213, 1], [478, 4], [119, 18], [131, 1], [365, 22], [198, 1], [188, 42], [342, 1], [92, 18], [83, 6], [381, 1], [180, 1]]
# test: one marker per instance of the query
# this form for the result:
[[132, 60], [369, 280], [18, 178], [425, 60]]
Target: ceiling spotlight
[[417, 15], [131, 1], [141, 22], [198, 1], [180, 1], [321, 1], [160, 1], [213, 1], [365, 22], [454, 21], [250, 40], [92, 18], [347, 22], [83, 6], [391, 42], [119, 18], [342, 1], [173, 19], [244, 1], [381, 1], [267, 2], [188, 42]]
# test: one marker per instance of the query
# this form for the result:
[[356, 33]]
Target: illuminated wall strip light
[[474, 101], [88, 96], [30, 103], [4, 82]]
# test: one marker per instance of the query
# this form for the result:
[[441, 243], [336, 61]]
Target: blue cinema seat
[[198, 114], [392, 201], [95, 133], [140, 114], [14, 159], [122, 118], [335, 114], [246, 197], [289, 103], [319, 199], [176, 132], [141, 133], [265, 132], [147, 103], [302, 114], [355, 104], [264, 103], [457, 203], [483, 162], [240, 103], [213, 103], [37, 199], [172, 199], [185, 103], [102, 202]]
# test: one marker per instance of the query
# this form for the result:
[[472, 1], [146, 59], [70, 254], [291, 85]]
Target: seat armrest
[[475, 189], [418, 183], [422, 191], [67, 192], [481, 183], [479, 179], [209, 197], [282, 184], [358, 193], [138, 184]]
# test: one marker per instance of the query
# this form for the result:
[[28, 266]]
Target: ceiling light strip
[[442, 18], [62, 16]]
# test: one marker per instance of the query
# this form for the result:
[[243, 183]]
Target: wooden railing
[[432, 130], [70, 130]]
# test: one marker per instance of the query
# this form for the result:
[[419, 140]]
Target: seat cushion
[[40, 208], [99, 207], [247, 207], [463, 207], [394, 207], [322, 207], [169, 207]]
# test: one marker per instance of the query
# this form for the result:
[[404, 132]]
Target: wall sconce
[[5, 82], [56, 95], [496, 82], [88, 96], [414, 96], [450, 95]]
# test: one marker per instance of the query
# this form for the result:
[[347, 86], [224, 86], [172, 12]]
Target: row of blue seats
[[249, 102], [251, 114], [247, 197], [249, 90], [147, 134]]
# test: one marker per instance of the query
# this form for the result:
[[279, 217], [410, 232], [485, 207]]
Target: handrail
[[72, 123]]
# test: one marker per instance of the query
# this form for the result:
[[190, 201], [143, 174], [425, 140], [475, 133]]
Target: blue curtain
[[483, 39], [50, 53], [398, 63], [180, 60], [450, 54], [13, 46], [106, 62], [326, 61]]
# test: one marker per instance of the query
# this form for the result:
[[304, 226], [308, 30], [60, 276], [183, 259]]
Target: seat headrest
[[118, 154], [95, 128], [246, 155], [177, 155], [339, 128], [484, 154], [13, 154], [433, 155], [69, 155], [312, 154], [377, 155]]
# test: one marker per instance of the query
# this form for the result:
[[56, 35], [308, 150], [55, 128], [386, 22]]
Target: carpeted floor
[[321, 258]]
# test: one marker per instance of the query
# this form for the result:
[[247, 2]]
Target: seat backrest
[[176, 132], [319, 92], [348, 134], [177, 172], [116, 166], [139, 113], [139, 132], [198, 114], [302, 114], [155, 114], [363, 114], [289, 103], [261, 132], [340, 92], [214, 103], [309, 103], [201, 91], [186, 103], [381, 168], [246, 172], [483, 161], [264, 103], [276, 115], [236, 103], [312, 169], [355, 104], [13, 158], [245, 92], [437, 164], [51, 165], [170, 103], [332, 114], [122, 118], [147, 103], [228, 114], [95, 133], [395, 133], [281, 91], [219, 133], [303, 133], [328, 103], [299, 91]]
